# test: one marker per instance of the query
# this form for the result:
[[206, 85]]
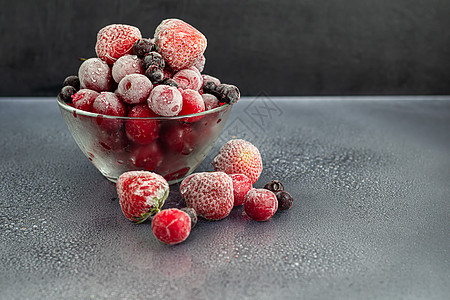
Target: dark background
[[306, 47]]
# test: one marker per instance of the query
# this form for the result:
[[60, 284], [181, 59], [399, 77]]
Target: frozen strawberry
[[209, 193], [109, 104], [241, 185], [165, 100], [260, 204], [171, 226], [84, 98], [147, 157], [125, 65], [239, 157], [134, 89], [95, 74], [178, 137], [116, 40], [180, 44], [142, 131], [141, 194], [188, 79], [192, 104]]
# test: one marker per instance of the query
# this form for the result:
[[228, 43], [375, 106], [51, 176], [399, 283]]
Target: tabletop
[[369, 177]]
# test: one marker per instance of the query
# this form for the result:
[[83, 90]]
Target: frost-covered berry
[[171, 226], [142, 131], [188, 79], [260, 204], [207, 78], [147, 157], [142, 47], [274, 186], [66, 93], [72, 80], [210, 101], [125, 65], [84, 99], [178, 137], [169, 81], [153, 59], [155, 74], [192, 104], [200, 63], [134, 88], [95, 74], [108, 103], [241, 185], [285, 200], [165, 100], [192, 214]]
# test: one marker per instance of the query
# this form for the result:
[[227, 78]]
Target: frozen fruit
[[142, 47], [171, 226], [84, 98], [178, 137], [142, 131], [192, 214], [72, 80], [155, 74], [285, 200], [210, 101], [188, 79], [209, 193], [165, 100], [141, 194], [200, 63], [108, 103], [116, 40], [207, 78], [66, 93], [180, 44], [226, 93], [169, 81], [274, 186], [192, 104], [153, 59], [134, 89], [95, 74], [125, 65], [241, 185], [147, 157], [112, 141], [260, 204], [239, 157]]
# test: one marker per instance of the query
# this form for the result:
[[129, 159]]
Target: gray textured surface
[[370, 178]]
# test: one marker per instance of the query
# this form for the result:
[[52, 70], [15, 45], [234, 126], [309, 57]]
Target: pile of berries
[[210, 195], [141, 77]]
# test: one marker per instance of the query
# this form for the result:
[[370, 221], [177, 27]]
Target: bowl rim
[[72, 109]]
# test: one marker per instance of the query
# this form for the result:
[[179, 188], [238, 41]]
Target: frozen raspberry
[[116, 40], [207, 78], [171, 226], [142, 47], [209, 193], [153, 59], [109, 104], [66, 93], [285, 200], [239, 157], [165, 100], [274, 186], [180, 44], [178, 137], [192, 214], [141, 194], [260, 204], [241, 185], [72, 80], [200, 63], [192, 104], [84, 99], [95, 74], [210, 101], [188, 79], [169, 81], [142, 131], [147, 157], [125, 65], [134, 88]]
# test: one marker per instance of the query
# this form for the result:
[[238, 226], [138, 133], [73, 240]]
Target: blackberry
[[209, 87], [274, 186], [155, 74], [169, 81], [192, 214], [72, 81], [142, 47], [153, 59], [285, 200], [66, 93]]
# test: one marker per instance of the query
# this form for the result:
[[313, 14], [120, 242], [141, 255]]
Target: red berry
[[241, 185], [210, 101], [116, 40], [165, 100], [95, 74], [134, 88], [188, 79], [178, 137], [84, 98], [126, 65], [141, 194], [260, 204], [109, 104], [142, 131], [171, 226], [147, 157], [192, 104], [209, 193]]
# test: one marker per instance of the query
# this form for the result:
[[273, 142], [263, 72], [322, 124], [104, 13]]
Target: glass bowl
[[183, 142]]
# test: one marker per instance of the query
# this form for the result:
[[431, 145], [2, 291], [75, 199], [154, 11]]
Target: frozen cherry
[[178, 137], [285, 200], [142, 131]]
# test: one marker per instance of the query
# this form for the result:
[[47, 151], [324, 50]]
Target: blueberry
[[285, 200], [169, 81], [192, 214], [228, 93], [72, 81], [274, 186], [155, 74], [142, 47], [209, 87], [66, 93], [153, 59]]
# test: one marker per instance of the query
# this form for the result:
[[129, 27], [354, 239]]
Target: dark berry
[[169, 81], [155, 74], [142, 47], [227, 93], [66, 93], [209, 87], [192, 214], [285, 200], [274, 186], [72, 81], [153, 59]]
